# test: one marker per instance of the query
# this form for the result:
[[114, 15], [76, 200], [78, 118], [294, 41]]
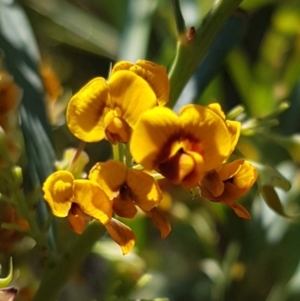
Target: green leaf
[[291, 144], [86, 31], [269, 176], [271, 198]]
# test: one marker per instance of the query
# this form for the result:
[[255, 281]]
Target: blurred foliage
[[210, 254]]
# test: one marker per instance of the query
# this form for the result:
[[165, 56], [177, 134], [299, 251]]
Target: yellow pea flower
[[182, 148], [128, 188], [81, 201], [155, 75], [230, 182], [110, 109]]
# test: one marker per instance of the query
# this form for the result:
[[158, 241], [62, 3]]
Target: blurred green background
[[211, 254]]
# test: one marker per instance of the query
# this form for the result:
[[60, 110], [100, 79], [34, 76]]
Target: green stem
[[56, 274], [178, 17], [190, 53], [119, 152]]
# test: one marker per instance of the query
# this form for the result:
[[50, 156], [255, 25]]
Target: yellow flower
[[182, 148], [230, 182], [154, 74], [128, 188], [110, 109], [81, 201]]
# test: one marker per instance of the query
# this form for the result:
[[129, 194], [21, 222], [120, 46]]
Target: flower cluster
[[191, 148]]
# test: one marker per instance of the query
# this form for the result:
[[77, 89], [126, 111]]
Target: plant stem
[[56, 274], [178, 17], [190, 53]]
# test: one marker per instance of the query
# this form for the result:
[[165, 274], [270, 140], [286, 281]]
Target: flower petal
[[144, 190], [241, 211], [87, 109], [210, 130], [117, 129], [130, 96], [156, 76], [246, 176], [229, 170], [192, 179], [124, 208], [216, 108], [121, 65], [110, 175], [155, 129], [213, 183], [177, 167], [121, 234], [234, 127], [92, 200], [160, 221], [58, 192], [77, 219]]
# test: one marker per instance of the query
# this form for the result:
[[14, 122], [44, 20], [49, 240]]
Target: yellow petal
[[208, 128], [177, 167], [58, 192], [192, 179], [110, 175], [234, 128], [131, 95], [92, 200], [124, 207], [231, 194], [246, 176], [231, 169], [121, 65], [77, 219], [121, 234], [156, 76], [152, 136], [117, 129], [216, 108], [160, 221], [241, 211], [144, 190], [228, 197], [87, 109], [213, 183]]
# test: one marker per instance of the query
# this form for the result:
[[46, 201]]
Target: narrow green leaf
[[80, 23], [271, 198], [269, 176]]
